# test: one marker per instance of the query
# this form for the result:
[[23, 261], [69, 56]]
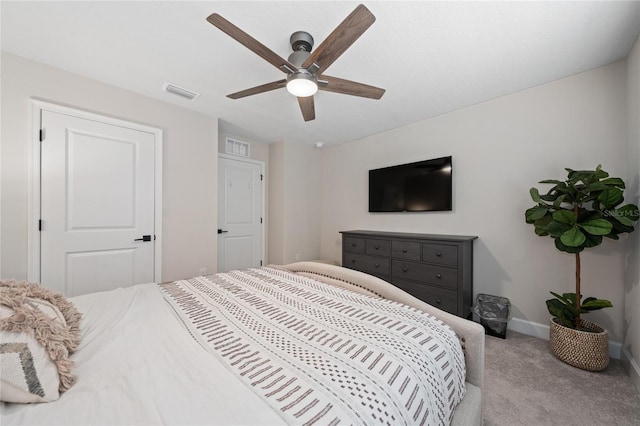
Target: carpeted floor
[[526, 385]]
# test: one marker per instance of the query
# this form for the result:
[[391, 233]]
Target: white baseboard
[[542, 331], [632, 367]]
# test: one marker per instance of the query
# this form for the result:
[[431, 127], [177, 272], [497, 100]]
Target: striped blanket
[[319, 354]]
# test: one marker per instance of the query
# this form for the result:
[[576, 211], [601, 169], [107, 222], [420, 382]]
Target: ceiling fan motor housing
[[301, 40]]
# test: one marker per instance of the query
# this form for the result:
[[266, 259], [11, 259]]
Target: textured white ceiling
[[431, 57]]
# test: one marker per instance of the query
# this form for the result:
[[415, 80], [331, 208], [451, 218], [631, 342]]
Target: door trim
[[36, 107], [264, 198]]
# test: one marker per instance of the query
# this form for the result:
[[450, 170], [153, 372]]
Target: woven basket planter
[[587, 350]]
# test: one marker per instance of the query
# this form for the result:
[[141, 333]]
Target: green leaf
[[549, 197], [573, 237], [559, 310], [581, 175], [535, 195], [559, 200], [556, 229], [597, 226], [593, 305], [535, 213], [563, 188], [611, 197], [626, 214], [564, 216], [553, 181], [567, 249], [614, 182], [570, 297], [596, 186], [563, 298], [541, 225], [599, 173], [620, 228], [592, 240]]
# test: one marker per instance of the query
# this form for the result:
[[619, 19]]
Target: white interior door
[[240, 214], [96, 204]]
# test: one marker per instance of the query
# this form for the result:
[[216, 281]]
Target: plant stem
[[578, 296]]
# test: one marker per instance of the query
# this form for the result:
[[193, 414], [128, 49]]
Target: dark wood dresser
[[437, 269]]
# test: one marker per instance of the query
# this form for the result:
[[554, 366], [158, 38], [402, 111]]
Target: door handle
[[145, 238], [220, 231]]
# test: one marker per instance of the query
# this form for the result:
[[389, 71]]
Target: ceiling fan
[[305, 69]]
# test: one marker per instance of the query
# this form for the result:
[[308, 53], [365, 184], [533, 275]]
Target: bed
[[163, 354]]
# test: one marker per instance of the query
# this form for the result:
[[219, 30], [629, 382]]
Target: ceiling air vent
[[180, 91]]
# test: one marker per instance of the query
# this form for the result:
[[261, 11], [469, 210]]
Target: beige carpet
[[526, 385]]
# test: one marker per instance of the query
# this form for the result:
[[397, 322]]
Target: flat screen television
[[415, 187]]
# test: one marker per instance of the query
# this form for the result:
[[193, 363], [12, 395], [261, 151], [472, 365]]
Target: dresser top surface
[[409, 235]]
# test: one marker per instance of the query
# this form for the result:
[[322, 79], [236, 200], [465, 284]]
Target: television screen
[[415, 187]]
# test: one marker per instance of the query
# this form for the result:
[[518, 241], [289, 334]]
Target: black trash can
[[494, 312]]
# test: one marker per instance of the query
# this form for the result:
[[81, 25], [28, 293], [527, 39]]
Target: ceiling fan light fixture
[[302, 84]]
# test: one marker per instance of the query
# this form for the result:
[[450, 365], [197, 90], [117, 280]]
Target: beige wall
[[631, 343], [500, 149], [189, 164], [294, 212]]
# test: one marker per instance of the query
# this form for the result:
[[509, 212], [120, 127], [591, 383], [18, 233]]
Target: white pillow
[[36, 338]]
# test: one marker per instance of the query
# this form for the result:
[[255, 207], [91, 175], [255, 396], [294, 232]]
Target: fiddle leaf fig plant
[[578, 213]]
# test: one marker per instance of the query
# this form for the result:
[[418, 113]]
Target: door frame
[[263, 186], [36, 107]]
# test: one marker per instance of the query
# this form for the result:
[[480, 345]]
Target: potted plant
[[578, 213]]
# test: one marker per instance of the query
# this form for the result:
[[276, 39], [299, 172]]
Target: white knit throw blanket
[[321, 354]]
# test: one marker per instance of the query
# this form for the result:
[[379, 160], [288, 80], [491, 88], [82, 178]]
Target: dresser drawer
[[372, 265], [353, 245], [405, 250], [430, 274], [440, 253], [441, 298], [377, 247]]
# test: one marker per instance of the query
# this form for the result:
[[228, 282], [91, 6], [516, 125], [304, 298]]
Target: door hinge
[[261, 177], [261, 263], [42, 135], [39, 224], [260, 220]]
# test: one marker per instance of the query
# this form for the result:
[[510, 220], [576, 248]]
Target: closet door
[[97, 204]]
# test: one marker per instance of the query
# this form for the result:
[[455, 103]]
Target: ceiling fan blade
[[250, 43], [340, 39], [307, 107], [258, 89], [347, 87]]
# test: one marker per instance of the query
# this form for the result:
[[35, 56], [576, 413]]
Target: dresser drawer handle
[[439, 301], [353, 244], [405, 269], [376, 247], [404, 250], [438, 275], [353, 261], [439, 254]]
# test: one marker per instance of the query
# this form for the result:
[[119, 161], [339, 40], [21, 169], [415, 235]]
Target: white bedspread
[[319, 354], [137, 365]]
